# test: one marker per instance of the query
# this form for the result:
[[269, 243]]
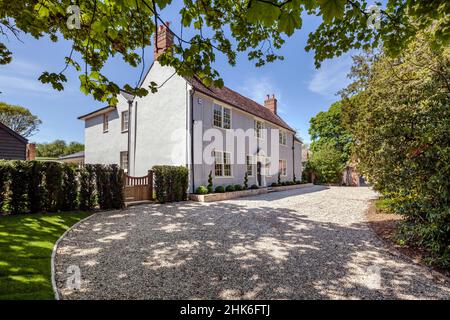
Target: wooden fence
[[138, 188]]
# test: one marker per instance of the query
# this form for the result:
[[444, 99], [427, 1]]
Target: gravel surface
[[310, 243]]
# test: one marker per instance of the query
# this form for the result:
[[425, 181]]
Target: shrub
[[274, 184], [246, 181], [4, 178], [69, 188], [201, 190], [171, 183], [254, 187], [284, 183], [279, 178], [210, 183], [230, 188], [53, 176], [87, 188], [116, 185], [18, 186], [220, 189], [238, 187], [104, 197], [36, 190]]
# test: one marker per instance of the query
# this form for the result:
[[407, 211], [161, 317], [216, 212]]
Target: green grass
[[26, 244]]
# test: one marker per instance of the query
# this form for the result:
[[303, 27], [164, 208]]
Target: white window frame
[[263, 127], [222, 116], [267, 165], [282, 167], [282, 137], [122, 166], [250, 161], [105, 122], [223, 161], [122, 121]]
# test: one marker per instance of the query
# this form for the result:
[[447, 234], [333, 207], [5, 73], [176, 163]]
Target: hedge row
[[33, 186], [171, 183]]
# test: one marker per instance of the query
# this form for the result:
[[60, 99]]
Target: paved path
[[302, 244]]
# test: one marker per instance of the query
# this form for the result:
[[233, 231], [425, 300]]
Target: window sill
[[124, 131], [224, 177], [105, 131]]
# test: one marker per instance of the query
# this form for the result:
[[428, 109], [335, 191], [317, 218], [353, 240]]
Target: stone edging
[[244, 193], [55, 248]]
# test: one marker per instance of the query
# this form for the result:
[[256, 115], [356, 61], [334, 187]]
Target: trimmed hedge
[[33, 186], [201, 190], [171, 183], [230, 188]]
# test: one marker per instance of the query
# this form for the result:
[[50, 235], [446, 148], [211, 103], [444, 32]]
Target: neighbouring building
[[75, 158], [208, 129], [15, 147]]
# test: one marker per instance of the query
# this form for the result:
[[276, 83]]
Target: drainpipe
[[191, 129], [293, 157], [130, 103], [135, 136]]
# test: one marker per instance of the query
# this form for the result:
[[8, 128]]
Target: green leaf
[[288, 22], [263, 12], [331, 9]]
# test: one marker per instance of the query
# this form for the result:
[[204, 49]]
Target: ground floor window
[[124, 160], [250, 164], [283, 167], [222, 164]]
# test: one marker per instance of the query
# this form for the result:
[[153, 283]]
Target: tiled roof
[[237, 100], [79, 154]]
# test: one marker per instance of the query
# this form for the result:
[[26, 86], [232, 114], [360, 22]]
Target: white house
[[210, 130]]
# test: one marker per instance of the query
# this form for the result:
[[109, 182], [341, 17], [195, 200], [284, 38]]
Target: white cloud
[[331, 77], [258, 88]]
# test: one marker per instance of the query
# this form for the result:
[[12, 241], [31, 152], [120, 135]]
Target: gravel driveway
[[310, 243]]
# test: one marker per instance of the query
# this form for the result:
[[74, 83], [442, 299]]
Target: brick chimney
[[31, 151], [271, 103], [163, 40]]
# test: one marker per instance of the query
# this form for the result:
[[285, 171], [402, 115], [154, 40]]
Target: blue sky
[[302, 90]]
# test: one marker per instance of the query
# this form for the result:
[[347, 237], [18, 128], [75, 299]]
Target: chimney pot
[[163, 40], [271, 103]]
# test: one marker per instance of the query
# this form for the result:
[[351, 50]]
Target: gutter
[[130, 103]]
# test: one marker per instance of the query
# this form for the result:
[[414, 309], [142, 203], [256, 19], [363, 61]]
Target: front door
[[258, 173]]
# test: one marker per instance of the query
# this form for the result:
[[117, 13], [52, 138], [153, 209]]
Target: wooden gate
[[138, 188]]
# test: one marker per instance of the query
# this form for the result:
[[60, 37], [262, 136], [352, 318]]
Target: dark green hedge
[[33, 186], [171, 183]]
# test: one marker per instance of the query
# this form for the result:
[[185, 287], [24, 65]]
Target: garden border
[[55, 248]]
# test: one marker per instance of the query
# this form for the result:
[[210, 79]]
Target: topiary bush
[[230, 188], [254, 187], [210, 183], [171, 183], [238, 187], [246, 181], [201, 190], [220, 189]]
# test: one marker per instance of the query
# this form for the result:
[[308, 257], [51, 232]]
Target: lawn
[[26, 244]]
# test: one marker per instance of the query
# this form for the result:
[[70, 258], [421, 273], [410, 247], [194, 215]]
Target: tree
[[58, 148], [326, 128], [398, 111], [326, 163], [19, 119], [257, 27]]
